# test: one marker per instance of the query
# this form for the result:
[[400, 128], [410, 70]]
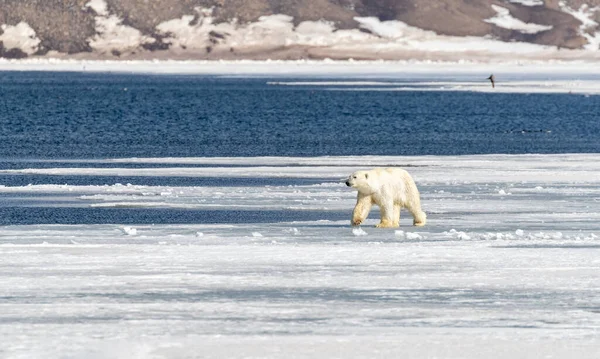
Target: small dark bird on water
[[492, 78]]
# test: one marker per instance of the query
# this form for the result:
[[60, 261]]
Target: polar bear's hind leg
[[387, 215], [386, 223], [419, 218], [396, 218]]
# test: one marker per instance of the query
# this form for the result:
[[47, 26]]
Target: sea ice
[[359, 232], [130, 231], [413, 236], [488, 276]]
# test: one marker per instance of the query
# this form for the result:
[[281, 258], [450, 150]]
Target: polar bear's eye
[[366, 175], [353, 176]]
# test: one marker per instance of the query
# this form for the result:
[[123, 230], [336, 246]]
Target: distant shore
[[304, 67]]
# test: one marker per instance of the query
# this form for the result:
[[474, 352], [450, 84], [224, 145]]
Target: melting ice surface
[[254, 257]]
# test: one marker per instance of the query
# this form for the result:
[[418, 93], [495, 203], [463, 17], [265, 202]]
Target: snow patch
[[317, 33], [269, 31], [528, 2], [405, 37], [497, 236], [293, 231], [274, 29], [185, 33], [413, 236], [453, 233], [199, 32], [99, 6], [393, 30], [520, 232], [112, 35], [588, 27], [504, 20], [130, 231], [20, 36], [358, 232], [407, 235]]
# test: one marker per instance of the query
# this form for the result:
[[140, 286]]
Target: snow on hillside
[[504, 20], [528, 2], [197, 33], [112, 35], [585, 14], [20, 36], [278, 30]]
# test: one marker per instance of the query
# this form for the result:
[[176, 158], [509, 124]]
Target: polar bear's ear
[[366, 175]]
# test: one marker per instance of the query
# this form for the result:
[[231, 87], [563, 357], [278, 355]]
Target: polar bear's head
[[360, 180]]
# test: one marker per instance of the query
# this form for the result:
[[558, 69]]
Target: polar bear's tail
[[420, 218]]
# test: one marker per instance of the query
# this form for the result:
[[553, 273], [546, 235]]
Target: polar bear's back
[[395, 171], [399, 183], [393, 174]]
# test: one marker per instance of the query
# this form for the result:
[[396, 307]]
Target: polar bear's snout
[[347, 181], [351, 180]]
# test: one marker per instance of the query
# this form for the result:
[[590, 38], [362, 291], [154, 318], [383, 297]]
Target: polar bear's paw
[[387, 224], [356, 221], [420, 220]]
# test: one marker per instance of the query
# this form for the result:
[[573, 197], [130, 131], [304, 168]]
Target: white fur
[[389, 188]]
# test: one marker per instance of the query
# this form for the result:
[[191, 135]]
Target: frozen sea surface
[[254, 257]]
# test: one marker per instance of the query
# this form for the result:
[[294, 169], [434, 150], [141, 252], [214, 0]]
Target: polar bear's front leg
[[387, 215], [362, 209]]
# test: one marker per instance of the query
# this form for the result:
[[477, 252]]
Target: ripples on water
[[75, 115]]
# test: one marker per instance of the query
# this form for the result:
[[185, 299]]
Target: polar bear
[[389, 188]]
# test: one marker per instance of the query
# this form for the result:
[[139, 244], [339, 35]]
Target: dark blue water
[[77, 115], [25, 215]]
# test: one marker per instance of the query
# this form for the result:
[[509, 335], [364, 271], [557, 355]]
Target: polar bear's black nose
[[348, 183]]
